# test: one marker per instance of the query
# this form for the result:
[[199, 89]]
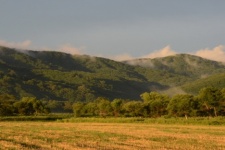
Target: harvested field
[[109, 136]]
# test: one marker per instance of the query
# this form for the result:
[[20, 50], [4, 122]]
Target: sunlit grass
[[109, 136], [159, 120]]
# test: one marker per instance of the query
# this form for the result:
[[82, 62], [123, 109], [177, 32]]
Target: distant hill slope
[[217, 80], [195, 72], [182, 64], [61, 76]]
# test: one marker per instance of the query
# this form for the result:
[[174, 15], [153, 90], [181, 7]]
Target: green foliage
[[30, 106], [6, 108], [217, 80], [182, 64], [183, 105], [77, 108], [6, 101], [45, 117], [218, 121], [210, 98], [209, 102], [59, 80], [104, 106], [117, 106], [156, 103], [90, 109], [132, 108], [54, 106], [60, 76]]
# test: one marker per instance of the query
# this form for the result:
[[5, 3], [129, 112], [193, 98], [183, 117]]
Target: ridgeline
[[51, 75]]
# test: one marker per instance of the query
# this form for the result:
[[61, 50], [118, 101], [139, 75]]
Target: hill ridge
[[61, 76]]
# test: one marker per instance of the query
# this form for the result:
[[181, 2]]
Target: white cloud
[[122, 57], [166, 51], [18, 45], [67, 48], [217, 53]]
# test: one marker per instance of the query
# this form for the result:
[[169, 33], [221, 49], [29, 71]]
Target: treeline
[[26, 106], [209, 102]]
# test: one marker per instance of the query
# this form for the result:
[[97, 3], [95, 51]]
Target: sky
[[116, 29]]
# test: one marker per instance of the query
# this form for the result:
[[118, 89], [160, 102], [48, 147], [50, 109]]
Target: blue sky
[[117, 29]]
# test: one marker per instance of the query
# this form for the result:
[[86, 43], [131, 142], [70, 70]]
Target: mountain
[[217, 80], [191, 73], [182, 64], [187, 66], [59, 76]]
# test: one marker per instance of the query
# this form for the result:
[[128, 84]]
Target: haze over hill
[[61, 76]]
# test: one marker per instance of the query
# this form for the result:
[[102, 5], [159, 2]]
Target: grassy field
[[109, 136]]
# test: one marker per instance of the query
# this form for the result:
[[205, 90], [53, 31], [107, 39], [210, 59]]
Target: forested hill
[[59, 76], [182, 64]]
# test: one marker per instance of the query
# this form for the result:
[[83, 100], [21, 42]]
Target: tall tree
[[133, 108], [182, 105], [77, 109], [6, 104], [117, 106], [30, 106], [104, 106], [157, 103], [210, 98]]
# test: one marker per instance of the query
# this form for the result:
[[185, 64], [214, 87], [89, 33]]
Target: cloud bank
[[166, 51], [122, 57], [18, 45], [217, 53], [67, 48]]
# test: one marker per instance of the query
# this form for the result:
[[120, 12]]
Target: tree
[[68, 106], [77, 108], [210, 98], [84, 94], [182, 105], [156, 102], [55, 106], [133, 108], [90, 109], [6, 104], [221, 110], [30, 106], [104, 106], [116, 106]]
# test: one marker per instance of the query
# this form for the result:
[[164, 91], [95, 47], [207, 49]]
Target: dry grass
[[109, 136]]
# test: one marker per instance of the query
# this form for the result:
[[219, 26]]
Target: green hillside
[[59, 76], [183, 73], [182, 64], [217, 81]]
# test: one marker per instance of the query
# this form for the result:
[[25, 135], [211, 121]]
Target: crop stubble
[[109, 136]]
